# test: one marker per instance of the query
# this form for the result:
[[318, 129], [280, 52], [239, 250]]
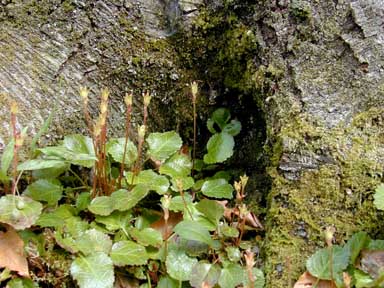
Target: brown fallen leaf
[[12, 252], [250, 218], [123, 282], [306, 280], [166, 230], [372, 262]]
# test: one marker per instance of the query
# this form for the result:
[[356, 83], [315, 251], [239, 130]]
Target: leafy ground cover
[[126, 212], [143, 211]]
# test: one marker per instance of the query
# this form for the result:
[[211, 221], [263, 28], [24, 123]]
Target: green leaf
[[117, 220], [19, 211], [187, 183], [229, 231], [362, 279], [231, 276], [36, 164], [179, 265], [221, 116], [56, 218], [217, 188], [177, 203], [151, 179], [75, 226], [191, 230], [115, 148], [318, 263], [128, 253], [223, 175], [205, 273], [48, 190], [6, 160], [74, 157], [194, 248], [50, 220], [79, 144], [177, 166], [233, 128], [49, 173], [94, 271], [211, 209], [124, 200], [21, 283], [103, 205], [163, 145], [93, 241], [147, 236], [376, 245], [220, 148], [356, 243], [167, 282], [379, 197], [258, 275], [211, 126], [233, 253], [82, 201]]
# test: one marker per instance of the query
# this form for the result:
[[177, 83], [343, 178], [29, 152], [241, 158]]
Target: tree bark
[[49, 48]]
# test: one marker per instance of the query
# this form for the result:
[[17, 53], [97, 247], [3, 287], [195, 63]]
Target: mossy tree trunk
[[315, 69]]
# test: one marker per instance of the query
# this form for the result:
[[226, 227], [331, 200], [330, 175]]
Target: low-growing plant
[[92, 212], [359, 263]]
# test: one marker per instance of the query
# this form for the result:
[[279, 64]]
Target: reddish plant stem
[[127, 128]]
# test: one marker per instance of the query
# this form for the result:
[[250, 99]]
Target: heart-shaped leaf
[[179, 265], [48, 190], [151, 179], [221, 116], [128, 253], [147, 236], [231, 276], [163, 145], [177, 166], [115, 148], [220, 148], [103, 205], [211, 209], [92, 241], [192, 230], [205, 273], [217, 188], [19, 211], [319, 263], [186, 183], [124, 200], [117, 220], [95, 270], [233, 128]]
